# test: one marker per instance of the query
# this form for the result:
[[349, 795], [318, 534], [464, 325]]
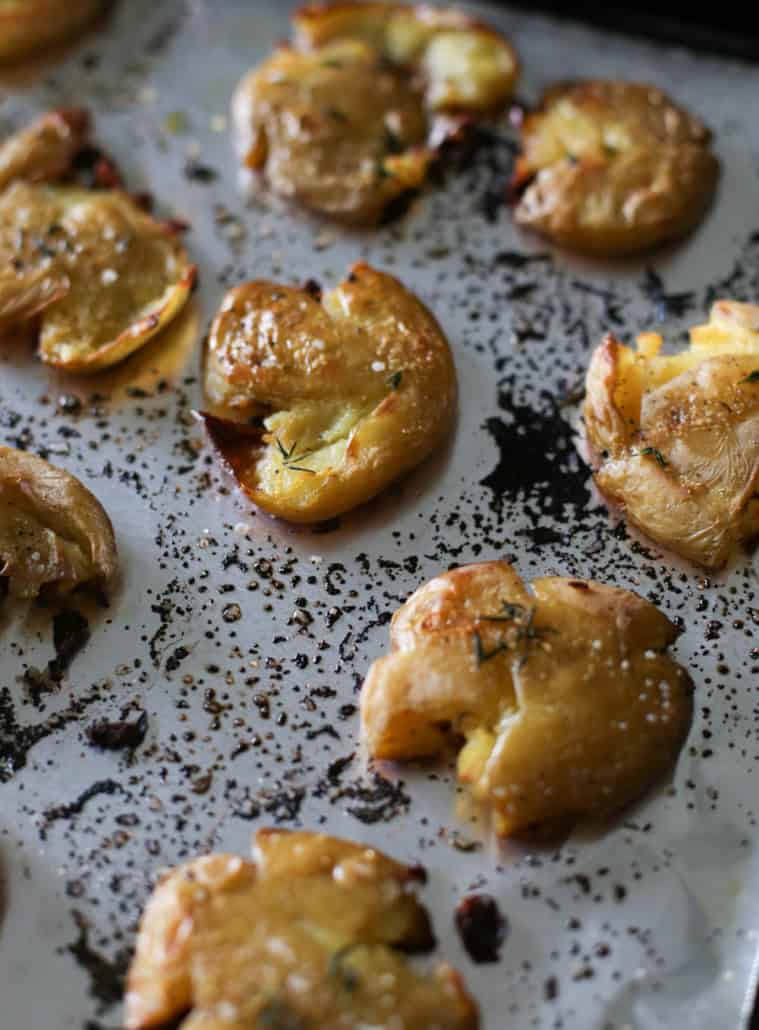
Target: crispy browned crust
[[30, 26], [341, 911], [674, 440], [98, 274], [376, 90], [612, 168], [55, 535], [562, 689], [364, 393]]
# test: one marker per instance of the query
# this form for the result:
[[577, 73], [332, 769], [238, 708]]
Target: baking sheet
[[245, 642]]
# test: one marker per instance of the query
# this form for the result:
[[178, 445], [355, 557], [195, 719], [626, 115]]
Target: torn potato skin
[[344, 121], [54, 534], [674, 439], [29, 27], [97, 275], [611, 168], [318, 404], [562, 691], [341, 914]]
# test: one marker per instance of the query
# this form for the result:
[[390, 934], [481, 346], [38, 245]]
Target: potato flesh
[[105, 276], [307, 932], [613, 168], [677, 437], [567, 701], [54, 534], [355, 390]]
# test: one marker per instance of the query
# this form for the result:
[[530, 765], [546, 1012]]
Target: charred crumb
[[668, 305], [197, 172], [106, 976], [481, 926], [101, 787], [71, 631], [379, 802], [16, 739], [120, 734]]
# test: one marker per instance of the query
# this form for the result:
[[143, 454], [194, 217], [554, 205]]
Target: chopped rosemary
[[393, 142], [277, 1015], [652, 452], [752, 377], [349, 978], [526, 632], [508, 613], [481, 655], [289, 457], [394, 380], [331, 62]]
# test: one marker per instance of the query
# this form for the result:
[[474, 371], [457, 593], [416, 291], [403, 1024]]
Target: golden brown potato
[[342, 121], [562, 690], [54, 534], [100, 276], [307, 936], [346, 392], [675, 438], [29, 26], [613, 168], [46, 149]]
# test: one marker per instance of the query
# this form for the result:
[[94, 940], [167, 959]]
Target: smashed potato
[[613, 168], [326, 400], [54, 534], [675, 438], [29, 26], [98, 274], [562, 690], [306, 936], [342, 120]]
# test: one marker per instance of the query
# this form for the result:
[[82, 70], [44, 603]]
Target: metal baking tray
[[245, 641]]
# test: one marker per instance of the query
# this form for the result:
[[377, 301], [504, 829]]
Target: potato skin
[[356, 389], [29, 26], [675, 439], [612, 168], [54, 534], [569, 705], [341, 910], [343, 121]]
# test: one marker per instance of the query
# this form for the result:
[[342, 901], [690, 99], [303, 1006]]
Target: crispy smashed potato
[[324, 401], [307, 936], [342, 121], [675, 438], [98, 274], [563, 692], [54, 534], [29, 26], [613, 168]]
